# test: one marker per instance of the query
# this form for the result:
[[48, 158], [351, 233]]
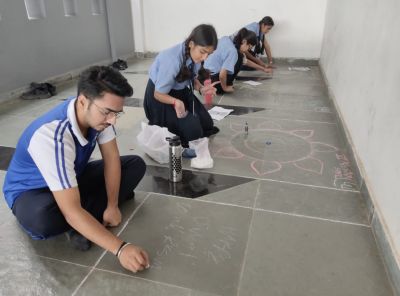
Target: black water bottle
[[175, 159]]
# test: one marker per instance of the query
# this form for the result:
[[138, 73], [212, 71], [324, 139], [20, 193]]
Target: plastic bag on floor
[[203, 159], [152, 141]]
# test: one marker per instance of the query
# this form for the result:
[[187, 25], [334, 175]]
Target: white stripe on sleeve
[[52, 148], [106, 135]]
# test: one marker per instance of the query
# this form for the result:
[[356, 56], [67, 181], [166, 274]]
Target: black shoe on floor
[[78, 241], [119, 65], [123, 63], [39, 91]]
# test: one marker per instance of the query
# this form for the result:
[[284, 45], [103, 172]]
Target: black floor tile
[[194, 184], [6, 154], [239, 110]]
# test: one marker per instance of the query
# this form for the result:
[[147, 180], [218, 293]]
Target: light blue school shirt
[[254, 27], [224, 57], [166, 67]]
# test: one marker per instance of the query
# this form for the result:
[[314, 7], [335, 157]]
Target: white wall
[[360, 58], [297, 33]]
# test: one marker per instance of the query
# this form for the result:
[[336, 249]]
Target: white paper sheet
[[301, 69], [218, 113], [251, 82]]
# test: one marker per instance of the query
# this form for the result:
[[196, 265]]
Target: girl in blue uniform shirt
[[261, 29], [226, 61], [169, 99]]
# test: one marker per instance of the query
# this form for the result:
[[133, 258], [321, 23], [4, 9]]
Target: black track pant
[[37, 211], [197, 124], [230, 77]]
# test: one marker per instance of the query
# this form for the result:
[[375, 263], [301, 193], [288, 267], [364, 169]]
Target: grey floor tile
[[132, 116], [301, 88], [5, 212], [139, 64], [242, 195], [127, 128], [40, 109], [284, 81], [191, 244], [268, 97], [138, 83], [6, 154], [133, 102], [127, 209], [106, 283], [304, 103], [284, 73], [32, 275], [288, 255], [58, 247], [313, 132], [283, 78], [293, 151], [197, 247], [127, 144], [312, 201], [246, 95], [69, 88], [22, 107], [322, 115], [294, 62], [12, 129], [199, 293]]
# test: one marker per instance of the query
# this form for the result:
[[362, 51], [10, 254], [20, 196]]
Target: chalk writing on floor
[[343, 175], [188, 236]]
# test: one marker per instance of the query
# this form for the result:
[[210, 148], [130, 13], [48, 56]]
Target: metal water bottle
[[175, 159]]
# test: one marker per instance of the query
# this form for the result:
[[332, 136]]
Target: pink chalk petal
[[310, 164], [322, 147], [228, 152], [263, 168], [303, 133]]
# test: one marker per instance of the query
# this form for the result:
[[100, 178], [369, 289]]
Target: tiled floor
[[280, 213]]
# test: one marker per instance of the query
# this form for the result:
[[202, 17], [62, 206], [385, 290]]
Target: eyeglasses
[[108, 113]]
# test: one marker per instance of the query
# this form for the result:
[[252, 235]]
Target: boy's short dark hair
[[97, 80]]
